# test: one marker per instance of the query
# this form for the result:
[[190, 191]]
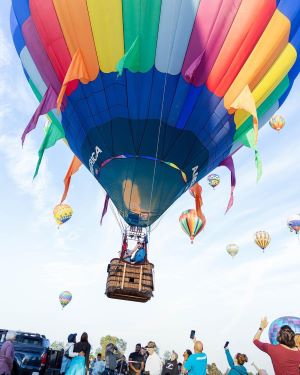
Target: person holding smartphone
[[236, 365], [197, 362]]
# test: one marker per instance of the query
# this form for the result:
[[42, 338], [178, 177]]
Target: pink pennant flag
[[228, 163], [48, 102], [104, 208]]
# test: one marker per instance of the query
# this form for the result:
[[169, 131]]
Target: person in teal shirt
[[197, 362], [237, 365]]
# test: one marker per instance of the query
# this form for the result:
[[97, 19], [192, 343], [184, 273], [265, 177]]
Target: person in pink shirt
[[7, 354], [285, 356]]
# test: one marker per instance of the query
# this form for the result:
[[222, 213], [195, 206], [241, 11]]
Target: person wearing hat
[[197, 362], [137, 255], [68, 353], [171, 366], [153, 363]]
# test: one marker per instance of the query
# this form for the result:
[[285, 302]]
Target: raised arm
[[229, 358], [263, 325]]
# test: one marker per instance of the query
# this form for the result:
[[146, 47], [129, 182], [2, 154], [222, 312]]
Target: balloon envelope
[[232, 249], [157, 92], [293, 223], [62, 213], [213, 180], [65, 298], [277, 122], [262, 239], [190, 223], [274, 328]]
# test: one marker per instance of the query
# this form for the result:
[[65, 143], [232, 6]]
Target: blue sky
[[197, 286]]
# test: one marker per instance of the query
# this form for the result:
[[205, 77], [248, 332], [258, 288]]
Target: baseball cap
[[151, 344]]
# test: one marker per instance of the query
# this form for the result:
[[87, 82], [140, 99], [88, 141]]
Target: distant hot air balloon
[[277, 122], [190, 223], [292, 321], [262, 239], [232, 249], [65, 298], [62, 213], [294, 223], [213, 180]]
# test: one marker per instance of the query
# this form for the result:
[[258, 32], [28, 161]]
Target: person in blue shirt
[[237, 365], [197, 362], [137, 255]]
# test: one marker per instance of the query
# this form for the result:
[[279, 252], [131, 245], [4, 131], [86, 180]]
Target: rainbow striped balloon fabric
[[156, 94]]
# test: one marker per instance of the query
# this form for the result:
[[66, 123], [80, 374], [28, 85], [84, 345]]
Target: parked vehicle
[[33, 355]]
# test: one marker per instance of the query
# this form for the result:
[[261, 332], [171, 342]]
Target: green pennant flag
[[54, 133], [248, 140]]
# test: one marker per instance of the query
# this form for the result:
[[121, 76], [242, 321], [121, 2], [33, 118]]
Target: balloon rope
[[160, 123]]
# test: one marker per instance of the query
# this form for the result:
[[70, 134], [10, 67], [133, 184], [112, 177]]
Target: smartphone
[[226, 344], [192, 335]]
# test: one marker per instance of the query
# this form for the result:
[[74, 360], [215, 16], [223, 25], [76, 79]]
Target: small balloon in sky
[[65, 298], [232, 249], [277, 122], [62, 213], [293, 223]]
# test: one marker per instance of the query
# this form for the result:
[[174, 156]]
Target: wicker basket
[[131, 282]]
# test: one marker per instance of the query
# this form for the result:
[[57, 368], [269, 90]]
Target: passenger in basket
[[137, 255]]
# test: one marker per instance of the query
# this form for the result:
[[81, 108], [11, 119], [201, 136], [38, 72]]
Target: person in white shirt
[[153, 363], [68, 353], [99, 365]]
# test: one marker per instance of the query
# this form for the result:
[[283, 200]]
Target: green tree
[[57, 345], [213, 369], [120, 343]]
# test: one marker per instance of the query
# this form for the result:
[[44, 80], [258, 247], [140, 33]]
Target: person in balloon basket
[[68, 353], [285, 356], [153, 363], [7, 354], [197, 362], [236, 364], [80, 364], [137, 255]]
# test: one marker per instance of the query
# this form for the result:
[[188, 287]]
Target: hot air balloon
[[65, 298], [294, 223], [262, 239], [277, 122], [232, 249], [213, 180], [159, 102], [190, 223], [62, 213], [156, 97], [274, 328]]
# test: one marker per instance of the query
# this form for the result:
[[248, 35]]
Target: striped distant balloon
[[190, 223], [65, 298], [277, 122], [293, 223], [262, 239]]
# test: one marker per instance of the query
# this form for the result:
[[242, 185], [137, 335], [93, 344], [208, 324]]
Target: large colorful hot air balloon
[[274, 328], [232, 249], [213, 180], [277, 122], [155, 94], [293, 223], [190, 223], [62, 213], [262, 239], [65, 298]]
